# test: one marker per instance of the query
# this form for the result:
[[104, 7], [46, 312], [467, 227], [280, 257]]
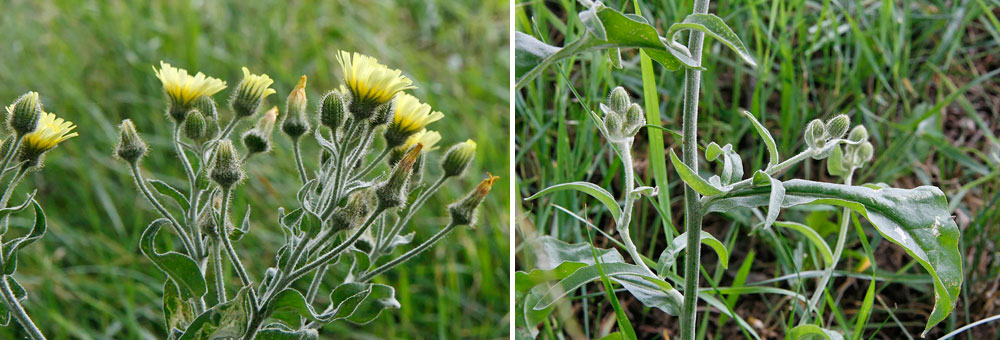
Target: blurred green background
[[91, 62]]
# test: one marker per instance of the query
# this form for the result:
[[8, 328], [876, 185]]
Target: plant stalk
[[626, 219], [692, 209], [837, 251], [17, 310]]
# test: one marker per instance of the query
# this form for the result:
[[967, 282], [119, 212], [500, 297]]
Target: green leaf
[[291, 300], [606, 29], [277, 333], [866, 312], [772, 148], [558, 259], [19, 293], [588, 188], [916, 219], [382, 297], [347, 297], [691, 178], [179, 267], [12, 247], [669, 256], [824, 249], [713, 26], [177, 313], [15, 209], [621, 273], [776, 198], [224, 321], [169, 191], [809, 331]]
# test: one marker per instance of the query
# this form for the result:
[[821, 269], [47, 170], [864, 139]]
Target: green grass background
[[91, 62], [892, 65]]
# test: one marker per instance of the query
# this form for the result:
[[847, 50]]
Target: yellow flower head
[[250, 93], [411, 115], [50, 132], [426, 137], [371, 82], [183, 88]]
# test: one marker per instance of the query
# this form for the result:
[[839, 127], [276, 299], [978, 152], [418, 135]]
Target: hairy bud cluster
[[818, 134], [622, 118], [226, 170], [857, 155]]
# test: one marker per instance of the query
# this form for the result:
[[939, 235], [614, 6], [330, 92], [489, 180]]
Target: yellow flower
[[183, 88], [256, 86], [426, 137], [371, 82], [50, 132], [410, 117]]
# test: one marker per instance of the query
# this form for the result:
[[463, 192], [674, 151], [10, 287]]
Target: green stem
[[141, 183], [10, 154], [11, 186], [409, 254], [189, 172], [371, 166], [410, 211], [837, 251], [220, 287], [224, 238], [626, 218], [692, 211], [17, 310], [298, 161]]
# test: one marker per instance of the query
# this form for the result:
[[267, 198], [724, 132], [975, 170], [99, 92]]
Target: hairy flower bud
[[383, 114], [130, 147], [837, 126], [258, 139], [858, 134], [619, 100], [458, 158], [206, 105], [332, 110], [354, 212], [24, 113], [226, 169], [634, 119], [864, 152], [615, 125], [463, 212], [295, 123], [250, 93], [195, 126], [815, 135], [391, 193]]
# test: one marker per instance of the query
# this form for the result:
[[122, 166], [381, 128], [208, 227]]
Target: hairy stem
[[371, 166], [409, 254], [220, 287], [17, 310], [626, 219], [224, 238], [141, 183], [303, 177], [837, 251], [692, 210]]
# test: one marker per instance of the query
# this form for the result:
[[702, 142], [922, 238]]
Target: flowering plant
[[346, 211]]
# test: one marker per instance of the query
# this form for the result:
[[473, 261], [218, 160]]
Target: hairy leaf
[[824, 249], [809, 331], [177, 313], [588, 188], [713, 26], [669, 256], [224, 321], [178, 267], [12, 247], [772, 148], [691, 178]]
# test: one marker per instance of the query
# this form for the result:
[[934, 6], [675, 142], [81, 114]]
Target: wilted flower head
[[463, 212], [183, 89], [390, 193], [295, 123], [411, 116], [250, 93], [258, 139], [50, 132], [371, 83]]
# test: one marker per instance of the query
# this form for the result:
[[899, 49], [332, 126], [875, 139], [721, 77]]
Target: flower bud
[[24, 113], [391, 193], [258, 139], [295, 123], [354, 213], [458, 158], [250, 93], [864, 153], [332, 110], [858, 134], [634, 119], [226, 169], [815, 136], [619, 100], [615, 126], [195, 126], [206, 105], [837, 126], [383, 114], [463, 212], [130, 147]]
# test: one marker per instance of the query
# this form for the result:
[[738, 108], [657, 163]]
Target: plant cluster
[[33, 133], [915, 219], [348, 213]]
